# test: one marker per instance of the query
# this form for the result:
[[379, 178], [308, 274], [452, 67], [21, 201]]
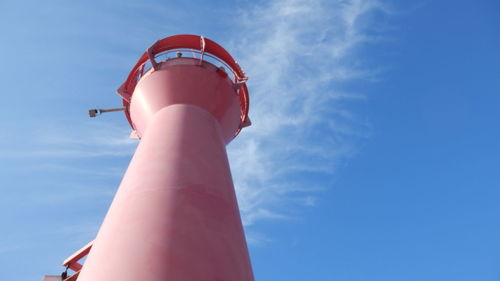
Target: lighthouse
[[175, 215]]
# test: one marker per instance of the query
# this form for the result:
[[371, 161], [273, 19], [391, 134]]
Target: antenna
[[97, 111]]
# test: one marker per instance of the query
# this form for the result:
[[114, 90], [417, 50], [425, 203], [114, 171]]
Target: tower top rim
[[196, 44]]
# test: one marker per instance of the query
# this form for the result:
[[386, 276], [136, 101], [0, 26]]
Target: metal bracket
[[98, 111], [239, 82], [237, 86], [134, 135], [246, 123], [202, 49], [151, 55]]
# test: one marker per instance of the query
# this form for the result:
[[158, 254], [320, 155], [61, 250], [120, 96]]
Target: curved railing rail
[[195, 54]]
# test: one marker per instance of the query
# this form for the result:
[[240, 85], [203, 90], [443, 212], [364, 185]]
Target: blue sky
[[374, 153]]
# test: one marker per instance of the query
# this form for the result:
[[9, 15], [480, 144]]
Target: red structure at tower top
[[201, 48]]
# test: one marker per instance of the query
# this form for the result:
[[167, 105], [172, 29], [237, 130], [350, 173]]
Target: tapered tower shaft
[[175, 215]]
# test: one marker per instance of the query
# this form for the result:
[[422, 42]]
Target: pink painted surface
[[175, 216], [183, 81]]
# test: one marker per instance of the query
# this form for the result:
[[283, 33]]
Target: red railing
[[72, 262]]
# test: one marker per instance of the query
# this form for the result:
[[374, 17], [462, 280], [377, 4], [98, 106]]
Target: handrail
[[72, 261], [141, 70]]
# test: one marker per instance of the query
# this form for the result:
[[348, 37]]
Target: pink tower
[[175, 216]]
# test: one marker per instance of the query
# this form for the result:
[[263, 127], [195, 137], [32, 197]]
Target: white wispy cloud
[[298, 54], [87, 140], [257, 238]]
